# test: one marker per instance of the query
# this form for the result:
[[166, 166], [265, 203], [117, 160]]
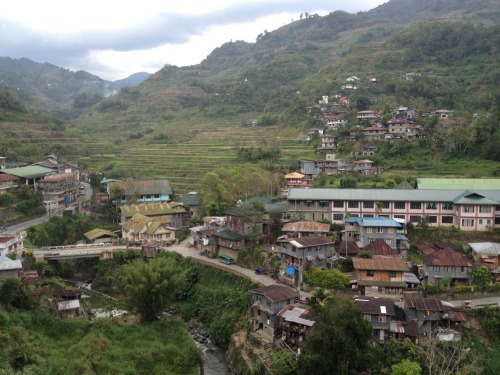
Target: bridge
[[79, 251]]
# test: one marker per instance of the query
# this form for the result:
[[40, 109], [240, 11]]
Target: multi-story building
[[380, 274], [477, 210], [365, 230], [143, 191], [268, 301], [59, 188], [380, 313]]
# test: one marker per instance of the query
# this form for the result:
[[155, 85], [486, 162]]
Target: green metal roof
[[229, 235], [97, 233], [459, 183], [386, 195], [31, 171]]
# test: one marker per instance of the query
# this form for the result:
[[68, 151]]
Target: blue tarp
[[290, 270]]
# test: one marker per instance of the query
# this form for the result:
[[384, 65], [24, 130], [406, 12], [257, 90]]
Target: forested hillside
[[424, 54]]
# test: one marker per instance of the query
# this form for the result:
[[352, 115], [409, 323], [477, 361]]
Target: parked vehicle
[[226, 259], [259, 271]]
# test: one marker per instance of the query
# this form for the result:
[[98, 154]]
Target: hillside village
[[294, 232]]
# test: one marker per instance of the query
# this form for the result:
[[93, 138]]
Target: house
[[487, 254], [310, 169], [465, 209], [61, 189], [368, 115], [431, 314], [348, 249], [364, 167], [380, 247], [443, 113], [143, 191], [380, 274], [142, 229], [174, 211], [69, 309], [191, 201], [376, 132], [328, 143], [305, 228], [68, 168], [365, 230], [380, 313], [8, 182], [334, 166], [99, 236], [352, 79], [31, 277], [29, 175], [201, 235], [336, 121], [440, 263], [295, 323], [303, 252], [268, 301], [9, 267], [296, 179]]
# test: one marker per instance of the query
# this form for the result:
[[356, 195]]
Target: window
[[367, 215], [400, 217], [433, 219], [338, 204], [448, 206], [415, 218], [399, 205], [371, 239], [383, 215], [431, 206], [415, 205], [338, 217], [353, 204], [323, 204], [370, 273], [480, 221], [369, 230], [368, 204], [354, 215], [390, 230], [309, 203], [380, 230], [435, 268], [468, 209], [382, 318], [392, 273], [447, 220], [385, 205], [367, 317], [467, 222], [485, 209]]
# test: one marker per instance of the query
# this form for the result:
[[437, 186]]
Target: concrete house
[[303, 252], [430, 314], [305, 228], [439, 263], [174, 211], [365, 230], [487, 254], [268, 301], [143, 191], [380, 313], [9, 267]]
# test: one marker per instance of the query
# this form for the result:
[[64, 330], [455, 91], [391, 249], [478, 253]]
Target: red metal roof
[[446, 257], [379, 262], [276, 292]]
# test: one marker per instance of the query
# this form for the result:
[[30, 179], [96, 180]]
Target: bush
[[463, 289]]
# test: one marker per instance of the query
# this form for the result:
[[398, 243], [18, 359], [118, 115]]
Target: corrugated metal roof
[[68, 305], [384, 263], [30, 171], [485, 248], [446, 257], [142, 187], [311, 241], [373, 305], [276, 292], [459, 183], [96, 233], [387, 222], [306, 226], [383, 195], [424, 304], [152, 209], [297, 314]]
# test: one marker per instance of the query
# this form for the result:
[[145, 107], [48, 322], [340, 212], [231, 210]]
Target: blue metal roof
[[374, 222]]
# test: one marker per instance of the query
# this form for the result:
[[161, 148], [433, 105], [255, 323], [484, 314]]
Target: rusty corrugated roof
[[306, 226], [380, 262]]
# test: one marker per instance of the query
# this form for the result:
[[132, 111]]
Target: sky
[[116, 38]]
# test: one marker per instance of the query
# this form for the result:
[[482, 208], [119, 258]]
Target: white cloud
[[113, 39]]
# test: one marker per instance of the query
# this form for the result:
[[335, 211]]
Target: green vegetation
[[37, 343]]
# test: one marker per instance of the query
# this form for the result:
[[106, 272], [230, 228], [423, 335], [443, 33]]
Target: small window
[[433, 219], [370, 273], [382, 318], [323, 204], [368, 204], [338, 217], [415, 218], [338, 204], [485, 209], [369, 230], [468, 209], [447, 219], [415, 205], [392, 273], [467, 222], [367, 317], [385, 205], [431, 206], [448, 206], [399, 205], [353, 204], [310, 204]]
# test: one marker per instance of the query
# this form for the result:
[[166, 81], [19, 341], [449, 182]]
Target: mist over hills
[[449, 47]]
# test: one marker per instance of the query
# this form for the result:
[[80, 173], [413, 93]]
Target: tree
[[149, 287], [481, 277], [329, 279], [406, 367], [13, 293], [338, 340], [448, 357]]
